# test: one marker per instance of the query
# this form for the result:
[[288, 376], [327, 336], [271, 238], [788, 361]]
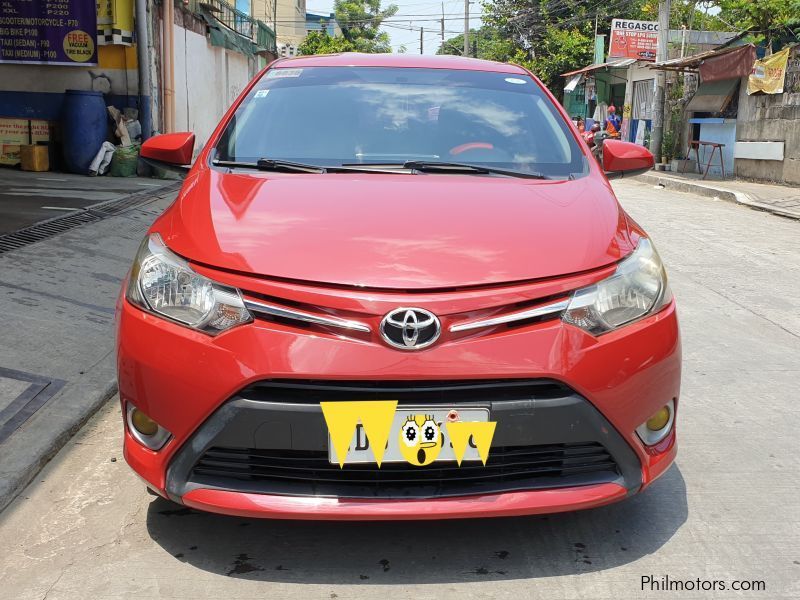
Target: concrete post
[[661, 80], [143, 58]]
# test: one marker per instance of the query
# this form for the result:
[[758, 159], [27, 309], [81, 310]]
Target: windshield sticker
[[280, 73], [261, 93], [516, 80]]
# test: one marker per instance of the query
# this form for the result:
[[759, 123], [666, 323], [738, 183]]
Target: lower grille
[[406, 392], [309, 473]]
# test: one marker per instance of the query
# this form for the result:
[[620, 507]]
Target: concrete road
[[727, 511], [27, 198]]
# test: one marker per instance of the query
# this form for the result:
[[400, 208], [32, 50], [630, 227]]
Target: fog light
[[659, 420], [146, 426], [145, 430], [658, 426]]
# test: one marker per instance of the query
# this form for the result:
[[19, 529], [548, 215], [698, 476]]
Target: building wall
[[638, 71], [314, 23], [263, 11], [720, 131], [291, 25], [37, 91], [772, 118], [207, 81]]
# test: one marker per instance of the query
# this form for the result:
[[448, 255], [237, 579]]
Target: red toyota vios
[[425, 230]]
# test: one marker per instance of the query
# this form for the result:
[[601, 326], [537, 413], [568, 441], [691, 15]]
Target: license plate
[[360, 451]]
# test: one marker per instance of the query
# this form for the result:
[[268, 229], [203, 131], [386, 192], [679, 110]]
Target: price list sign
[[48, 32]]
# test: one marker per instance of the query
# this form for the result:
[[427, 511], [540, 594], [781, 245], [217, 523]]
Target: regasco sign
[[633, 39]]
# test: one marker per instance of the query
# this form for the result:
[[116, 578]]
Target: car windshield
[[333, 116]]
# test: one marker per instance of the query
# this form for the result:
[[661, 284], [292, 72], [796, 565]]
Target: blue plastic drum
[[84, 125]]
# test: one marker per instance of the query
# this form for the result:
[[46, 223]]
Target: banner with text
[[633, 39], [769, 74], [53, 32]]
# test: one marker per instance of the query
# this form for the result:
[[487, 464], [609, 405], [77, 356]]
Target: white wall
[[55, 79], [721, 133], [636, 72], [207, 81]]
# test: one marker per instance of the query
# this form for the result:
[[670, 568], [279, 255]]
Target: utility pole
[[466, 27], [168, 65], [442, 24], [421, 33], [661, 80]]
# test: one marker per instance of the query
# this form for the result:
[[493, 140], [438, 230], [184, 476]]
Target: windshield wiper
[[271, 164], [457, 167]]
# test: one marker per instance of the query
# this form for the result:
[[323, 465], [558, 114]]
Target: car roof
[[357, 59]]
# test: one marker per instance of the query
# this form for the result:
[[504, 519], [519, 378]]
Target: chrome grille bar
[[539, 311], [270, 310]]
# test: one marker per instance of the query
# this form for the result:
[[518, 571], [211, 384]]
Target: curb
[[40, 439], [712, 191]]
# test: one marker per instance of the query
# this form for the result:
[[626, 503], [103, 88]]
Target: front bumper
[[510, 504], [185, 380]]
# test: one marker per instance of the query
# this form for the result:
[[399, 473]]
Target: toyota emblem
[[410, 328]]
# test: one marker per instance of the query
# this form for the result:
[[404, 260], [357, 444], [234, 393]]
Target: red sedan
[[397, 287]]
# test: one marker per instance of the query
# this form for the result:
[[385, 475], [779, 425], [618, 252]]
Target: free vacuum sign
[[53, 32], [633, 39]]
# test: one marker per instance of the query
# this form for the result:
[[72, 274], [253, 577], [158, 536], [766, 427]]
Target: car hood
[[396, 231]]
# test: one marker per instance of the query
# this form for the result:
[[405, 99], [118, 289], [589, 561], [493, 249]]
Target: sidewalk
[[57, 297], [777, 199]]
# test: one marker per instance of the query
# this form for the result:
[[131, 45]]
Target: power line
[[393, 18]]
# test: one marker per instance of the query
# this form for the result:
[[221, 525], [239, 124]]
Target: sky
[[404, 27]]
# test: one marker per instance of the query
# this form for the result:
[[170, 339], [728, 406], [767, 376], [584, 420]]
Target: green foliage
[[488, 41], [552, 37], [360, 21], [668, 145], [768, 18], [560, 51], [319, 42]]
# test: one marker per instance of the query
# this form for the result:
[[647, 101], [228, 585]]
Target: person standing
[[613, 122]]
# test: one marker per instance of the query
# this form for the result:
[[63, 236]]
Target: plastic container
[[84, 126], [124, 162]]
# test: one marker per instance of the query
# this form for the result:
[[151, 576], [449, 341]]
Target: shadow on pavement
[[426, 551]]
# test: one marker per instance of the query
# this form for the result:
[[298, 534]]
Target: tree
[[490, 44], [770, 19], [559, 51], [319, 42], [552, 37], [361, 20]]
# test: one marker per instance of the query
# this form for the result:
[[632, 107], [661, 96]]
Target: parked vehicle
[[425, 230]]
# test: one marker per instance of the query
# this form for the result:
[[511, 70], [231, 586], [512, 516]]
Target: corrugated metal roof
[[713, 97], [692, 62], [704, 38], [618, 63]]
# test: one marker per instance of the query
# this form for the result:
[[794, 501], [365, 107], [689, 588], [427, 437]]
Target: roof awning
[[725, 63], [612, 64], [713, 96], [224, 37], [573, 82]]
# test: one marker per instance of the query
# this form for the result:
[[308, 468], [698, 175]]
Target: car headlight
[[163, 283], [637, 288]]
